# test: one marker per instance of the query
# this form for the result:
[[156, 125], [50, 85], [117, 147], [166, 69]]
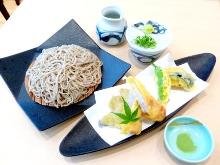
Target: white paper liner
[[177, 98]]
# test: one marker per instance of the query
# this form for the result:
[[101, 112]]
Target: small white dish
[[161, 34]]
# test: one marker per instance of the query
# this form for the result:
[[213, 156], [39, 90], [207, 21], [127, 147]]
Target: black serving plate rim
[[147, 130]]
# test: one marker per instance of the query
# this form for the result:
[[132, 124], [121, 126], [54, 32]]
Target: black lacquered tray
[[83, 139]]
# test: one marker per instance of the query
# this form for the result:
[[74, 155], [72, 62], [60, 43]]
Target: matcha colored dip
[[185, 143]]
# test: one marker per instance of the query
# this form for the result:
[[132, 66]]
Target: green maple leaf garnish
[[128, 116]]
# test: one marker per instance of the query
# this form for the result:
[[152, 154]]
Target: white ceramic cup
[[111, 26]]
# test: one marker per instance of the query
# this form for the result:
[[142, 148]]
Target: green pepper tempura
[[163, 84], [146, 41]]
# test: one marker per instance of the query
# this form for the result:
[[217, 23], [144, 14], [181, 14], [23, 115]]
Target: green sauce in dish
[[185, 143]]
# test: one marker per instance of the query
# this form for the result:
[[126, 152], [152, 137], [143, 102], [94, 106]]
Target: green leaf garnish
[[128, 116], [134, 114], [121, 115], [146, 41], [126, 108], [135, 119]]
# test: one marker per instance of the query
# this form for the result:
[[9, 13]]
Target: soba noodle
[[62, 75]]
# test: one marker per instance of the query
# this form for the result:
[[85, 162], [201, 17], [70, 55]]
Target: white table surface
[[195, 25]]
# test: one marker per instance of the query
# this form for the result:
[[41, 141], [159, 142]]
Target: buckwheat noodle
[[62, 75]]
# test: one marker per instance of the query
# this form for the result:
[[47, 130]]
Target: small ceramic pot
[[161, 34], [111, 26]]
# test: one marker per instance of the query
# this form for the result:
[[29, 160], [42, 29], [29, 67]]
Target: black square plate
[[13, 69]]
